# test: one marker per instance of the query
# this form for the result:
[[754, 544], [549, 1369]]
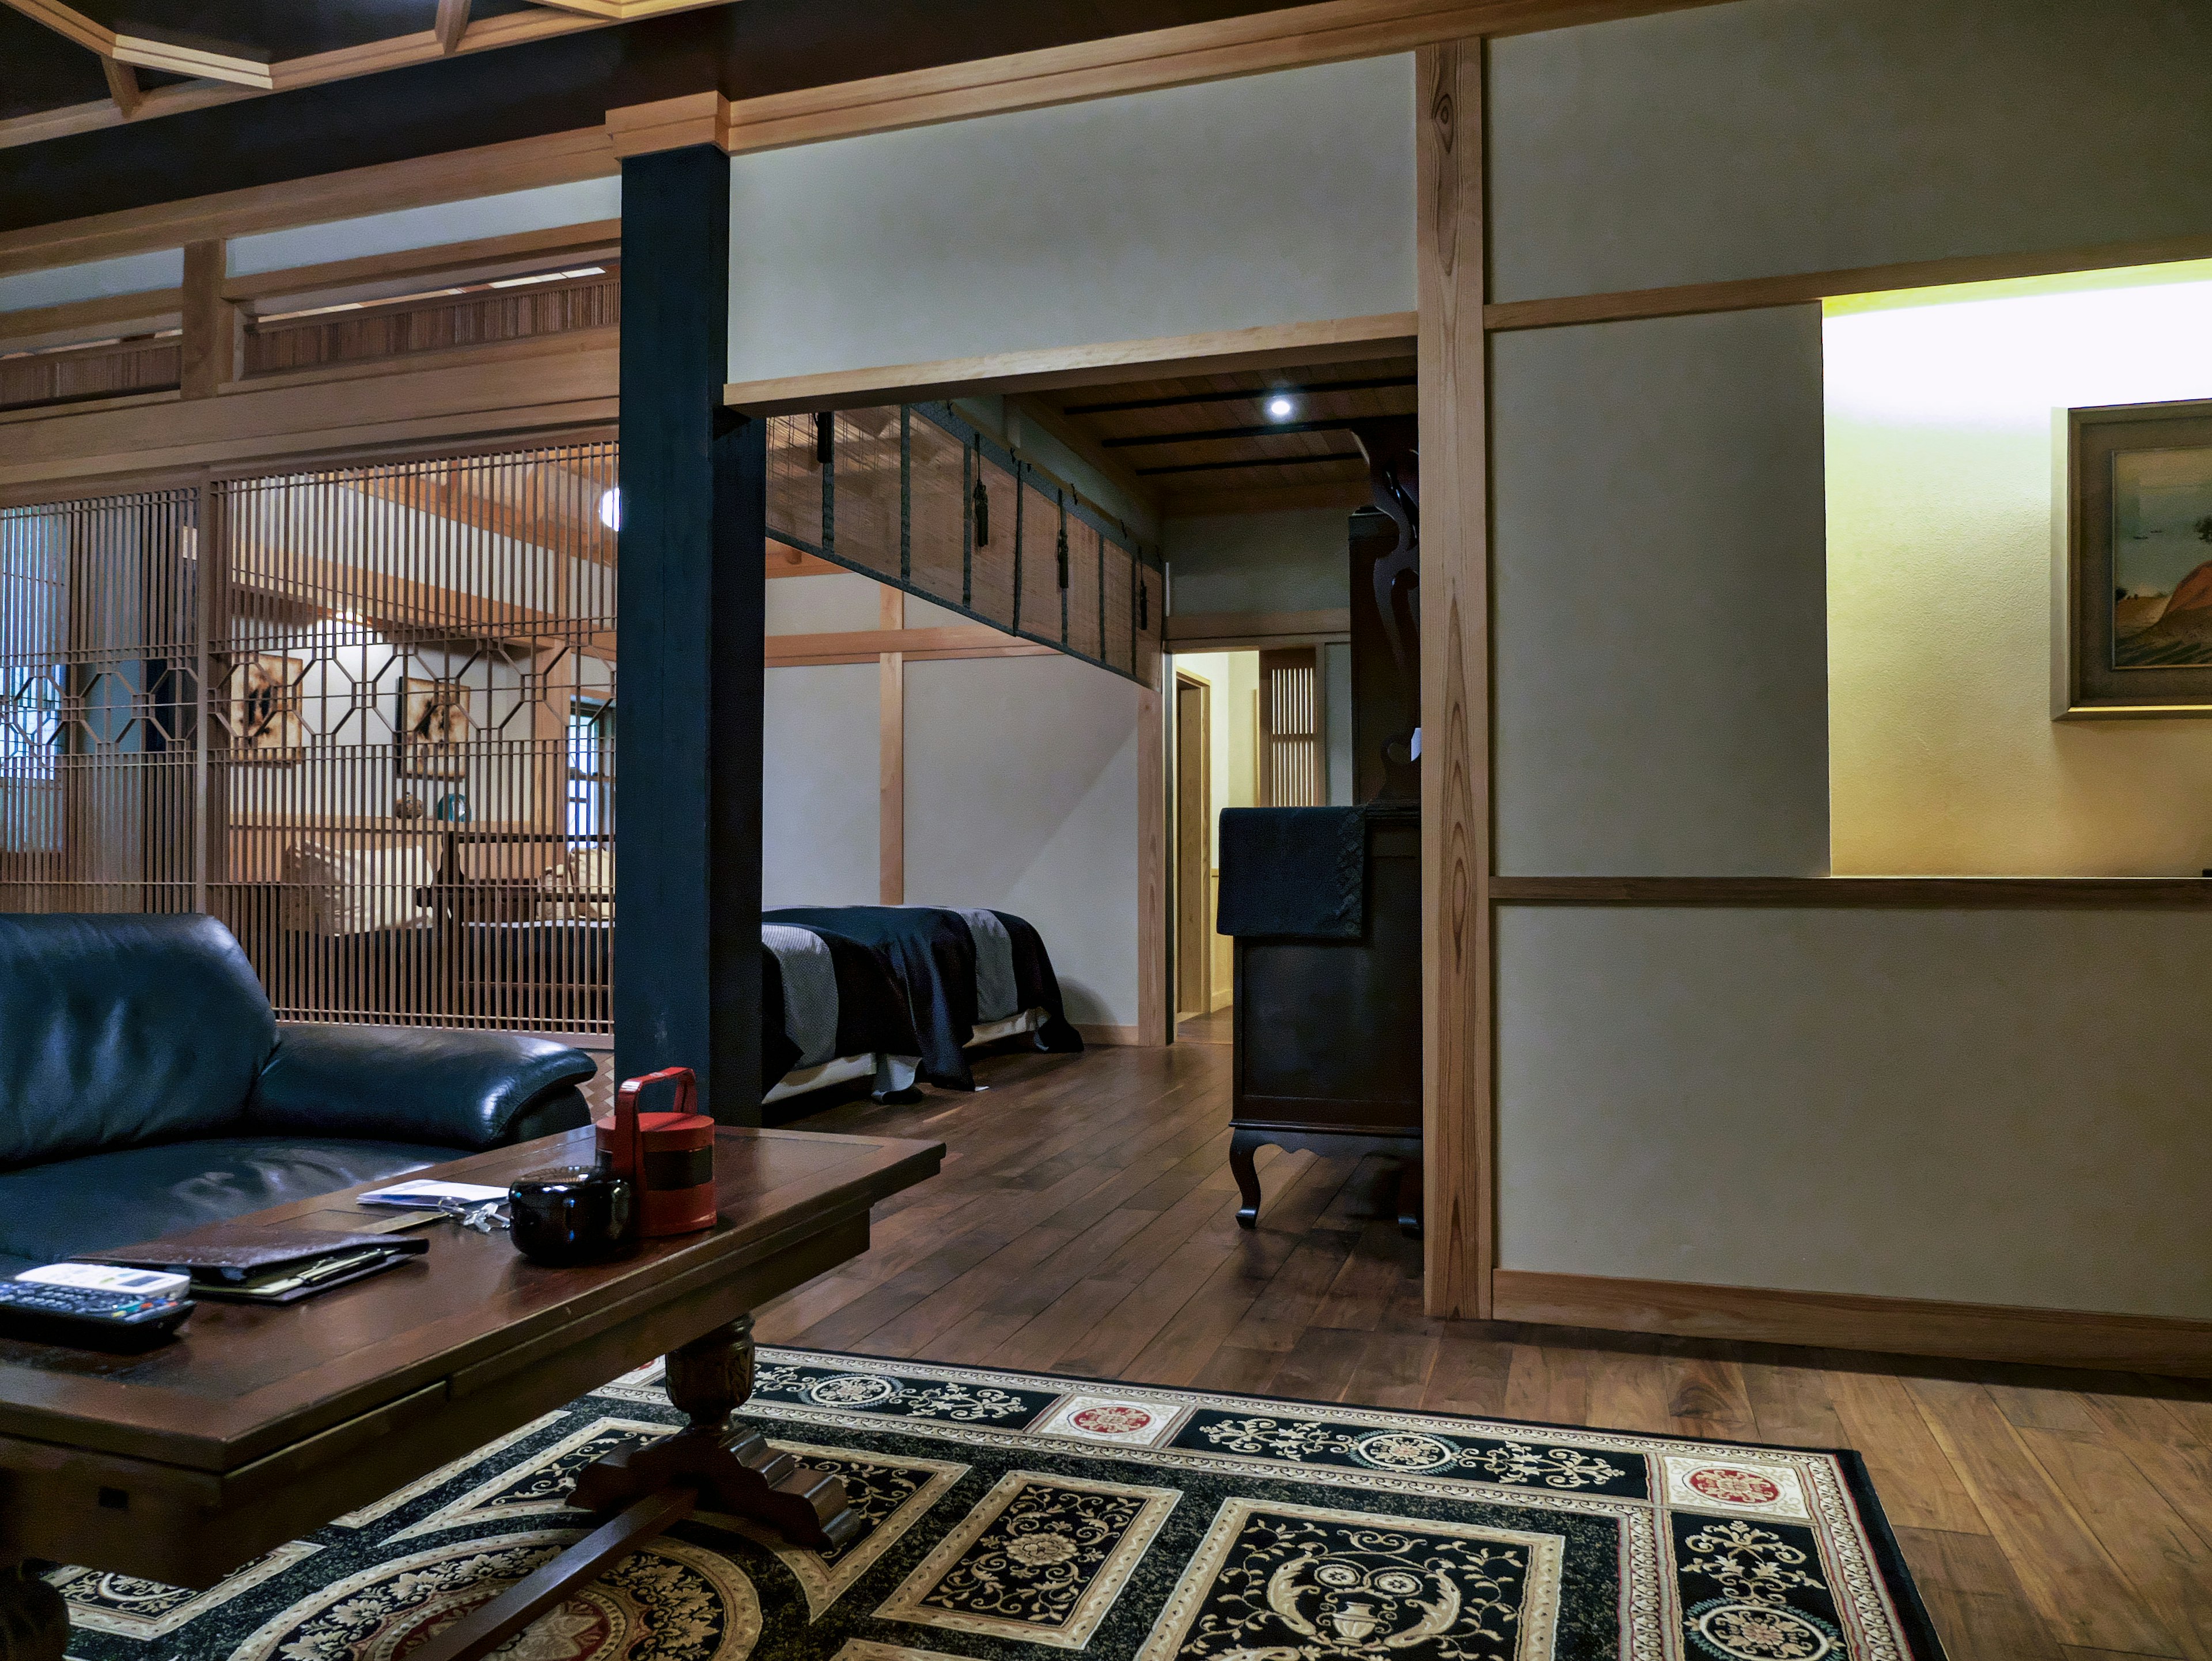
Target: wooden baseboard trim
[[1865, 893], [1335, 341], [1900, 1326], [1093, 1033]]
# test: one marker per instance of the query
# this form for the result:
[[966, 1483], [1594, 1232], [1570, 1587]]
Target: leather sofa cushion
[[412, 1084], [120, 1031], [56, 1211]]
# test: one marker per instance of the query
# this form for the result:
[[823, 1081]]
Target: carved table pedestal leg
[[710, 1462], [733, 1470]]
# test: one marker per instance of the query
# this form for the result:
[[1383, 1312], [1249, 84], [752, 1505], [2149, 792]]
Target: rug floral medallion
[[1012, 1515]]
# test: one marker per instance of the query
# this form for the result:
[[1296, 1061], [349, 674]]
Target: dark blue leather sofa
[[145, 1088]]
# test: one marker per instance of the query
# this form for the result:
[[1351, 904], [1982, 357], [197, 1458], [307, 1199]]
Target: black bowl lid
[[558, 1177]]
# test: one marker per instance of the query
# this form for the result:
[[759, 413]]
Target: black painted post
[[687, 978]]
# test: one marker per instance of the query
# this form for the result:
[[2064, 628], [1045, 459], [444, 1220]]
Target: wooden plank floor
[[1084, 1222]]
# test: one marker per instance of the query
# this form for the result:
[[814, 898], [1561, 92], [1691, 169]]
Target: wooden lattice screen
[[1290, 729], [364, 716]]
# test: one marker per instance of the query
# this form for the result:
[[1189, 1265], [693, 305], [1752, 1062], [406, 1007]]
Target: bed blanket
[[824, 995], [934, 954]]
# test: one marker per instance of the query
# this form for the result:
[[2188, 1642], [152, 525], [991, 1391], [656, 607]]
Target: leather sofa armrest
[[414, 1084]]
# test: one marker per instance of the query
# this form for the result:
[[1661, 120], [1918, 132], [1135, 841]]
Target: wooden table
[[261, 1424]]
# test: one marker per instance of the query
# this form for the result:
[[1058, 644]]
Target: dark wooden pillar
[[687, 985]]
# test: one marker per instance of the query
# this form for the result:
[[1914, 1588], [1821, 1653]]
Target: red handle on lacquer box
[[630, 1140]]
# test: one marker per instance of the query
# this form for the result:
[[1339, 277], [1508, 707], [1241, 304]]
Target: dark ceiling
[[478, 97]]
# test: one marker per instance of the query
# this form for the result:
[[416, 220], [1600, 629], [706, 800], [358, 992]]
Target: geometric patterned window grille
[[338, 709], [99, 704], [917, 496]]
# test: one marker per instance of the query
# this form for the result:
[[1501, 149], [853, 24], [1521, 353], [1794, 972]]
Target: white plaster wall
[[546, 207], [826, 604], [135, 273], [1661, 622], [1275, 198], [821, 762], [1990, 1107], [1021, 796], [1283, 562], [1777, 135]]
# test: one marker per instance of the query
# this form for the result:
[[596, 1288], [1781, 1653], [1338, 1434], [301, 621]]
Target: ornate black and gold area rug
[[1016, 1517]]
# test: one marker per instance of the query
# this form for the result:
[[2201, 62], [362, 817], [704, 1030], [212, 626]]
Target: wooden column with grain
[[890, 791], [687, 989], [1457, 958], [209, 355]]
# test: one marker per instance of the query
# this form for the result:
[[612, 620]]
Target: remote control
[[90, 1319]]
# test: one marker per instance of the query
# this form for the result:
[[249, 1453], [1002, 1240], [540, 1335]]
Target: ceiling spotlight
[[610, 508], [1280, 408]]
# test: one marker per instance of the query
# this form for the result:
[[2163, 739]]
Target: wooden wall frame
[[1458, 1078]]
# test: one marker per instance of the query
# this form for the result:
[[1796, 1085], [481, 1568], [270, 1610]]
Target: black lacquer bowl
[[568, 1214]]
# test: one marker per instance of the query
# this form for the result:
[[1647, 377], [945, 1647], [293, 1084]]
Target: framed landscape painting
[[2139, 605]]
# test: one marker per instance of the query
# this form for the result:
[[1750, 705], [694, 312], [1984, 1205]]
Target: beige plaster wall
[[1779, 136], [1990, 1107], [1660, 636]]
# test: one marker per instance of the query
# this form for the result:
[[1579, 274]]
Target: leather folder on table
[[267, 1265]]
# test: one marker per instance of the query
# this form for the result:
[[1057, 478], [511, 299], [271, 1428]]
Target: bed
[[893, 996], [960, 979]]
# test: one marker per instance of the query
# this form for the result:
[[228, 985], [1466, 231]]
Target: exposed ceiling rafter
[[452, 22], [121, 86]]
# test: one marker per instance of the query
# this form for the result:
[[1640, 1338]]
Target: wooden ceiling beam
[[233, 65]]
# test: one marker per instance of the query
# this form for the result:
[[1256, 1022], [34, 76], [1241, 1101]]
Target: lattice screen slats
[[1290, 729], [372, 731], [99, 694], [891, 492]]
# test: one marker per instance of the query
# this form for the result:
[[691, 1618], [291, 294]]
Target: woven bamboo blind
[[915, 496]]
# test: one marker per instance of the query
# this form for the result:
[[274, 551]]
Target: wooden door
[[1291, 763], [1194, 773]]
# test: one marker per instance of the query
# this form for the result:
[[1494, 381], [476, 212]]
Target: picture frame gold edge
[[2067, 702]]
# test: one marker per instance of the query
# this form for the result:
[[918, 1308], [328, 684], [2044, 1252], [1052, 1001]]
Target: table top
[[243, 1381]]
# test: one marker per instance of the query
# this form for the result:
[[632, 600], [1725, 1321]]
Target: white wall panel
[[821, 766], [1021, 796], [829, 605], [1661, 612], [1777, 135], [1275, 198], [546, 207], [1989, 1107]]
